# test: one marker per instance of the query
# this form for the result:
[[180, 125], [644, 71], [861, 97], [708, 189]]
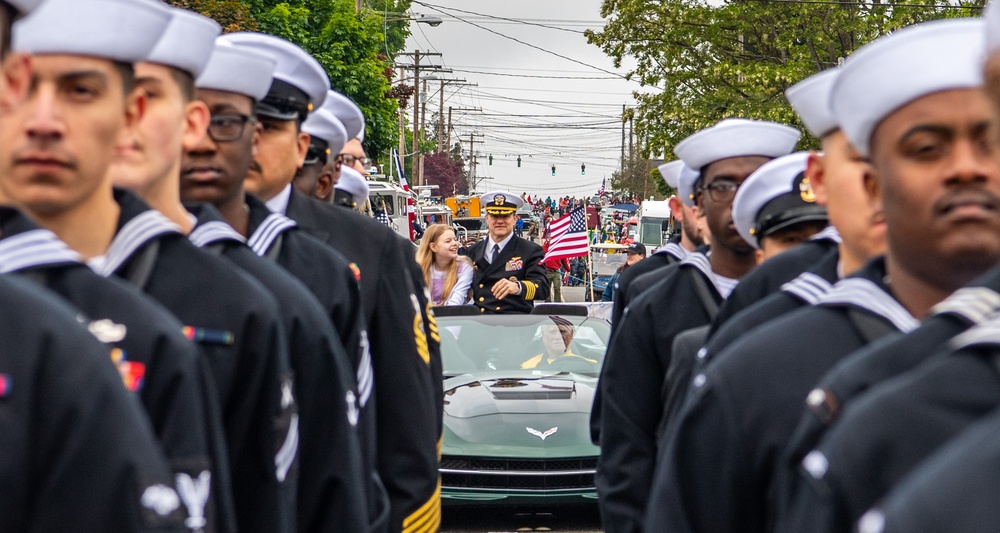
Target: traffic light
[[491, 159], [553, 170], [583, 168], [518, 161]]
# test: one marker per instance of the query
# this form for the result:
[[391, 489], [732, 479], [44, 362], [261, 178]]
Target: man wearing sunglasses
[[631, 387]]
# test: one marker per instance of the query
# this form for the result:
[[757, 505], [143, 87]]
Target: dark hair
[[184, 81], [7, 14], [127, 73]]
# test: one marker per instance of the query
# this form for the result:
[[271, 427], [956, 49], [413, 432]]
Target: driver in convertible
[[556, 339]]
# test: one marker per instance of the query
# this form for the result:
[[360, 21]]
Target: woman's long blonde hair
[[425, 257]]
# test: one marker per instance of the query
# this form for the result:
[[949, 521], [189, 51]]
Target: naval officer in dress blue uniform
[[508, 275]]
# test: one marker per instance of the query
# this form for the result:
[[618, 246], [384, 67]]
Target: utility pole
[[472, 162], [415, 169], [442, 145], [448, 129], [623, 139]]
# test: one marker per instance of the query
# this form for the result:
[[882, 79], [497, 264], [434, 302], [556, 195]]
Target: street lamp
[[430, 20]]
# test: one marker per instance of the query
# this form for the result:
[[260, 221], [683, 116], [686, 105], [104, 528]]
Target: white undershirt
[[725, 285], [279, 204], [502, 244]]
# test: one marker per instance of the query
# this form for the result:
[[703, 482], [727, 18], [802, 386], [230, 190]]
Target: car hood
[[519, 414]]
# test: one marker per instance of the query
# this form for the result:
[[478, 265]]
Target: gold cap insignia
[[309, 107], [499, 199], [806, 191]]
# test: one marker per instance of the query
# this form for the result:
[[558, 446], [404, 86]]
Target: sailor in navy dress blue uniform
[[508, 275]]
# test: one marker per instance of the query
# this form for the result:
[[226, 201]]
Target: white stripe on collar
[[808, 287], [214, 231], [829, 233], [33, 248], [675, 250], [136, 232], [865, 294], [975, 304], [984, 334], [700, 261], [269, 230]]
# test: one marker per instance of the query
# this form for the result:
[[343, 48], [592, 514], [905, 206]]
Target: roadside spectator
[[633, 254]]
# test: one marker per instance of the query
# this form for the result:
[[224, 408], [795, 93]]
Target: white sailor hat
[[348, 113], [327, 135], [236, 69], [670, 172], [898, 68], [23, 7], [187, 42], [117, 30], [300, 84], [352, 182], [991, 20], [736, 137], [685, 185], [810, 98], [500, 203], [775, 196]]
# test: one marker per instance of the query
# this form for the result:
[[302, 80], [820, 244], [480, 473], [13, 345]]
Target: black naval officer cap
[[774, 197], [299, 84]]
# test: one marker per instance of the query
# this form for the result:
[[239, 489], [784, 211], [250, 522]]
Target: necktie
[[496, 252]]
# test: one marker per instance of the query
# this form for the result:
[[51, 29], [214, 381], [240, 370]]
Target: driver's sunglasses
[[228, 127], [348, 159], [721, 191]]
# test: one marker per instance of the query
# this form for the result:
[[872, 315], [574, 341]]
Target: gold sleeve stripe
[[530, 288], [429, 512], [430, 523], [440, 444], [421, 339]]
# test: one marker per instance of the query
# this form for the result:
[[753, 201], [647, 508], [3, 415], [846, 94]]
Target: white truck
[[654, 223]]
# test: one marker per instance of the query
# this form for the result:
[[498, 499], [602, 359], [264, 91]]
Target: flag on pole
[[601, 192], [568, 236], [411, 215]]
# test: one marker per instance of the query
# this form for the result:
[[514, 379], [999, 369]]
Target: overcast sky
[[574, 121]]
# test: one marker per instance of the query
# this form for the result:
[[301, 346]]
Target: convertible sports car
[[518, 392]]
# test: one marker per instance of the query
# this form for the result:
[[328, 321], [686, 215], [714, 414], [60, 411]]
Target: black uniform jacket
[[332, 475], [325, 271], [669, 254], [768, 278], [78, 452], [953, 491], [631, 389], [800, 292], [407, 364], [238, 327], [806, 289], [521, 261], [145, 342], [715, 470], [886, 432], [873, 364]]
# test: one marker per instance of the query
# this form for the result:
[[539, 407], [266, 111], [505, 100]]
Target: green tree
[[354, 47], [735, 59]]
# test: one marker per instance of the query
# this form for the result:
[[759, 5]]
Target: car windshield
[[522, 343]]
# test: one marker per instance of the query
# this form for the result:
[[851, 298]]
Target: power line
[[508, 75], [578, 62], [515, 21]]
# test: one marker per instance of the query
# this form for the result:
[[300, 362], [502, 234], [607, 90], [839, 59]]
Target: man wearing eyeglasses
[[631, 387]]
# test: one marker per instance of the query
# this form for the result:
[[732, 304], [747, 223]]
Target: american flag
[[568, 236], [411, 215], [601, 192]]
